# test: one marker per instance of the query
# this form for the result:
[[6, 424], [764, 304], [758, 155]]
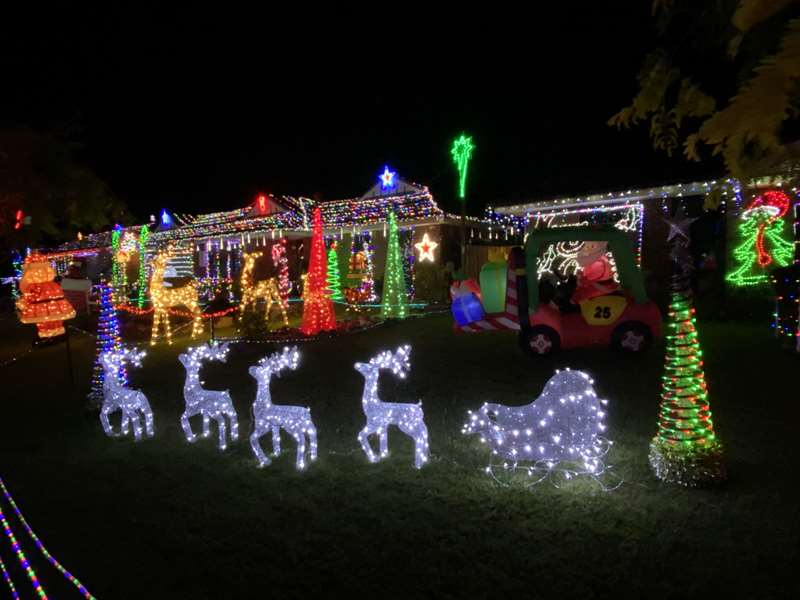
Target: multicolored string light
[[144, 234], [40, 546]]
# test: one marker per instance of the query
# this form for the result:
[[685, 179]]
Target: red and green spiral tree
[[686, 449]]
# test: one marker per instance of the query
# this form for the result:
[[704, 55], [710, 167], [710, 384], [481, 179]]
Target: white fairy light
[[560, 429], [211, 404], [131, 403], [408, 418], [295, 420]]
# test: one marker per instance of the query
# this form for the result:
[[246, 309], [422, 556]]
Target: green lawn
[[165, 518]]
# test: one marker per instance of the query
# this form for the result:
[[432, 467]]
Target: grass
[[164, 518]]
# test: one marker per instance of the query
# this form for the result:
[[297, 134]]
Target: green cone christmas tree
[[334, 279], [395, 298], [685, 450]]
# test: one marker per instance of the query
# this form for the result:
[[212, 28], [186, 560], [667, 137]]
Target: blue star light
[[387, 178]]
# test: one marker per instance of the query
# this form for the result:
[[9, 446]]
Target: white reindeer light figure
[[211, 404], [560, 427], [131, 403], [408, 418], [295, 420]]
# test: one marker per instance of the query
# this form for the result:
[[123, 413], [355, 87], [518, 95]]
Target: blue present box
[[467, 309]]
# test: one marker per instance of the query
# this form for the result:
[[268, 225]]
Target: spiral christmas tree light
[[395, 298], [334, 279], [108, 339], [318, 312], [685, 449], [142, 291]]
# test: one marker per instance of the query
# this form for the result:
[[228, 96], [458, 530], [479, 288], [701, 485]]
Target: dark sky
[[199, 113]]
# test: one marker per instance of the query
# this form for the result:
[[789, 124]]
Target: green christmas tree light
[[762, 240], [334, 279], [462, 152], [685, 449], [144, 233], [395, 298]]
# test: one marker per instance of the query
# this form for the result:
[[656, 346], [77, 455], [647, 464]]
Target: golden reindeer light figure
[[163, 298], [252, 290]]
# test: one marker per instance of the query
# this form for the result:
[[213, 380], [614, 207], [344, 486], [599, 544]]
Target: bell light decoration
[[295, 420], [559, 431], [408, 418], [211, 404], [131, 403]]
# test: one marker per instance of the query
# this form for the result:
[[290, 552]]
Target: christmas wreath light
[[132, 404], [408, 418], [210, 404], [295, 420]]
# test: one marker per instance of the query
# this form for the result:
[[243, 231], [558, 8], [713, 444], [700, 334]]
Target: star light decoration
[[387, 178], [426, 248], [679, 225], [559, 432], [295, 420], [408, 418], [211, 404]]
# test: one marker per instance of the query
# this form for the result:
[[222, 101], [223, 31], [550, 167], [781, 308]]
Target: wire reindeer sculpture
[[211, 404], [295, 420], [131, 403], [253, 290], [408, 418]]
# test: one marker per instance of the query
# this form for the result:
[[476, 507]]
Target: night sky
[[200, 113]]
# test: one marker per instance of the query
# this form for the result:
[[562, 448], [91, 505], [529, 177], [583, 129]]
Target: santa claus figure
[[596, 277], [42, 299]]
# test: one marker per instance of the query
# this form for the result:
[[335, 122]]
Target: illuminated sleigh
[[559, 432]]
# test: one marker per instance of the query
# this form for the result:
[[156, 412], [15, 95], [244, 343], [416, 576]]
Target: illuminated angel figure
[[563, 425], [408, 418], [295, 420], [211, 404], [131, 403]]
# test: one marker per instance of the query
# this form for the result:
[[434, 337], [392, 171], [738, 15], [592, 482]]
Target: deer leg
[[222, 432], [363, 437], [383, 439], [276, 440], [300, 438], [187, 428], [124, 425], [156, 322], [137, 425], [148, 420], [421, 449], [312, 441], [206, 425], [262, 458], [234, 422], [167, 328], [105, 423]]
